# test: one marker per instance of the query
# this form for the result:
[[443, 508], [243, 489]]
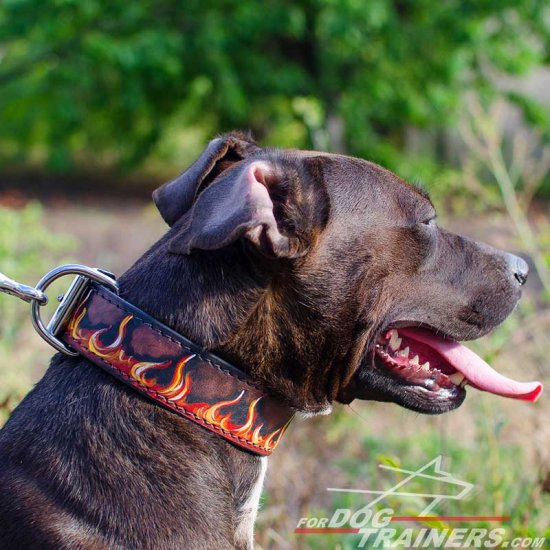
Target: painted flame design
[[178, 389], [248, 431]]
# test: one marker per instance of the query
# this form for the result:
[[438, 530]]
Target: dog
[[310, 272]]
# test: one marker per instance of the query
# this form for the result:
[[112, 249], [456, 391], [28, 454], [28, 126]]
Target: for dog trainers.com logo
[[374, 524]]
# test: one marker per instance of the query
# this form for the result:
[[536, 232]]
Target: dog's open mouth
[[428, 373]]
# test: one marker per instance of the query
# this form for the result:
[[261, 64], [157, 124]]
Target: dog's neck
[[205, 297], [223, 302]]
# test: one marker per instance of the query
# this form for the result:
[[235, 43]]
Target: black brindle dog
[[309, 271]]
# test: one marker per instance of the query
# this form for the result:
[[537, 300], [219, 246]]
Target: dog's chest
[[247, 511]]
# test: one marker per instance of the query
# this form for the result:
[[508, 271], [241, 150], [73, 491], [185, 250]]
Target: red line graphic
[[326, 531], [351, 531], [450, 518]]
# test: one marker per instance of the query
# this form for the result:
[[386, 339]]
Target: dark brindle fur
[[293, 287]]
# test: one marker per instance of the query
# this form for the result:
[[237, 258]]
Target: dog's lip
[[432, 390], [446, 392], [374, 382], [416, 324], [437, 360], [412, 368]]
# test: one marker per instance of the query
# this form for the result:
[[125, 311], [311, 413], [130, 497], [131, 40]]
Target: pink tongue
[[478, 373]]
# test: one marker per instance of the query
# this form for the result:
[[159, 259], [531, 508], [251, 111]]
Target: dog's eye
[[430, 222]]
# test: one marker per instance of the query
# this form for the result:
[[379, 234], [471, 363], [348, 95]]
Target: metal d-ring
[[68, 302]]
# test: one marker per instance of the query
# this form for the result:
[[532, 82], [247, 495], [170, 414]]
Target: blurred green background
[[102, 101]]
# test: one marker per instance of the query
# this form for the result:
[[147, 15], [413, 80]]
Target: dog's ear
[[247, 202], [176, 197]]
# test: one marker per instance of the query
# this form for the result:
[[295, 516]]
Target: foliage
[[26, 252], [516, 180], [113, 83]]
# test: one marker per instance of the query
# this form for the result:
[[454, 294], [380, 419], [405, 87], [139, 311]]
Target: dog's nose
[[519, 268]]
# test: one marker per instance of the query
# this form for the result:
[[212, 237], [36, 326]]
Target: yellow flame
[[73, 325], [246, 431], [250, 417], [113, 350], [210, 414], [178, 380]]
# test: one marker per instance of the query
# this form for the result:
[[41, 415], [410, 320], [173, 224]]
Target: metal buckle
[[37, 297]]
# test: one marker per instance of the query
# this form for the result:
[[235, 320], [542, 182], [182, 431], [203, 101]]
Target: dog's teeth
[[405, 352], [457, 378], [415, 361], [426, 365], [464, 383], [395, 341]]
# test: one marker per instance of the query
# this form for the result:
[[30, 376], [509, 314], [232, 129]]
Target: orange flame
[[247, 431], [180, 386], [114, 353]]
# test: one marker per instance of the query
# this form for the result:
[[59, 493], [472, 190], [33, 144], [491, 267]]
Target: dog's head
[[358, 293]]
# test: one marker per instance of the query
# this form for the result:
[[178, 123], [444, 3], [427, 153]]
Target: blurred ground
[[501, 446], [110, 235]]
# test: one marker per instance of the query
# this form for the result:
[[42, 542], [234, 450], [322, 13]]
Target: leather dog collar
[[169, 369]]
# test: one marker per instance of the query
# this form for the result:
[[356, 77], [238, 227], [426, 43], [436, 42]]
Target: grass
[[505, 483]]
